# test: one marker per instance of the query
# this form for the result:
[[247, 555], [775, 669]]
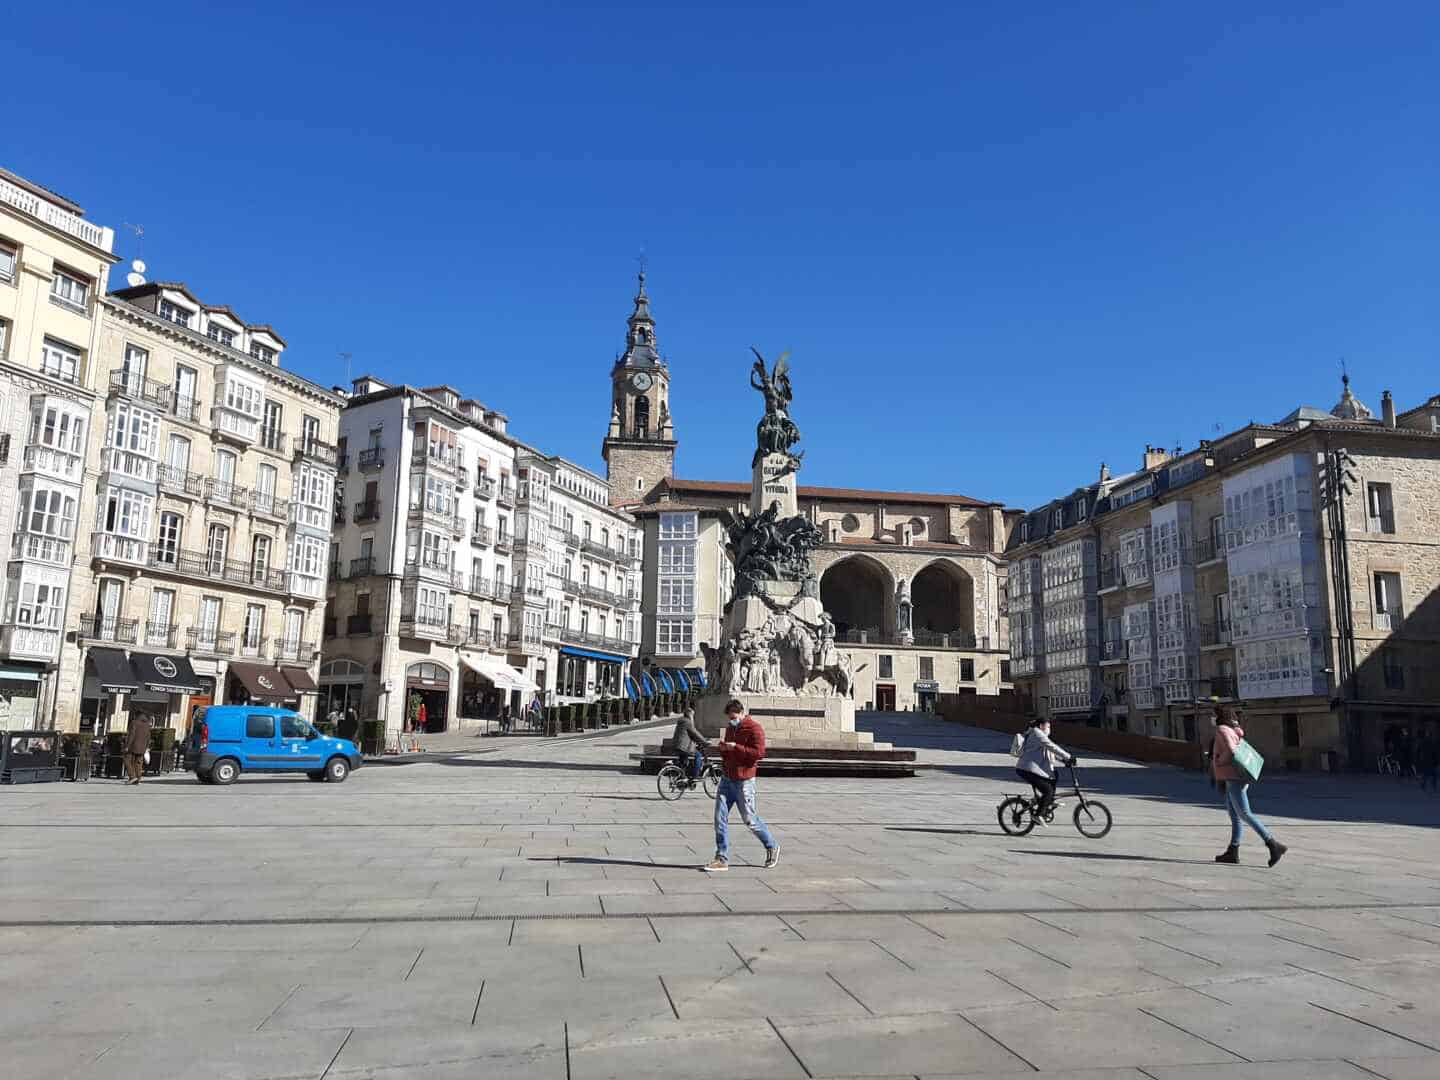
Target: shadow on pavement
[[1109, 855], [591, 860], [943, 832], [516, 763]]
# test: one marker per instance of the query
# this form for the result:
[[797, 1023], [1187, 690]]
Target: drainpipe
[[392, 579]]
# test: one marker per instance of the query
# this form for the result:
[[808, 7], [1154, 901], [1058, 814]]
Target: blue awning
[[631, 690], [591, 654], [647, 685], [665, 683], [697, 677], [680, 678]]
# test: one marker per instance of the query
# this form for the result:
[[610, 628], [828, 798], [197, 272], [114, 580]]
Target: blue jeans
[[1237, 801], [741, 793]]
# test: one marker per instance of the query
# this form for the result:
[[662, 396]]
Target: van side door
[[262, 742], [298, 749]]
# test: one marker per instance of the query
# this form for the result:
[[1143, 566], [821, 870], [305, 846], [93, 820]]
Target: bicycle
[[673, 781], [1387, 765], [1018, 814]]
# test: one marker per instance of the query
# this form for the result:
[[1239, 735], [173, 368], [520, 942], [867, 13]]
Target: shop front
[[258, 684], [19, 696], [108, 674], [927, 691], [342, 688], [427, 698], [164, 683], [489, 686]]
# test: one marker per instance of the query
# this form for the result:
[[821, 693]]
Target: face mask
[[734, 721]]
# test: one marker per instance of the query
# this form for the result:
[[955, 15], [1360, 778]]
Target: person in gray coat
[[1039, 758], [137, 741], [688, 744]]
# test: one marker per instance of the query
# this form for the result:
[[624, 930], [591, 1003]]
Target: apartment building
[[212, 473], [1284, 567], [54, 265]]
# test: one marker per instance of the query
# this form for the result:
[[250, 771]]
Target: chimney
[[1155, 457], [1387, 409], [1104, 472]]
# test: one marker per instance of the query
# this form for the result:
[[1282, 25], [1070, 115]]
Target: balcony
[[1207, 550], [366, 510], [625, 558], [272, 438], [226, 493], [428, 567], [603, 551], [457, 580], [952, 639], [1215, 635], [43, 547], [476, 639], [252, 646], [209, 641], [160, 635], [114, 548], [49, 461], [196, 564], [265, 502], [504, 544], [318, 452], [234, 426], [136, 387], [370, 460], [447, 463], [433, 515], [424, 623], [108, 628], [177, 481], [1113, 652], [362, 567], [1389, 621], [572, 540], [506, 496], [484, 488], [28, 641], [300, 652], [56, 217], [298, 584], [127, 463], [480, 536], [358, 625], [587, 637], [315, 517]]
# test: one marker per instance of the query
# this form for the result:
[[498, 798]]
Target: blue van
[[226, 740]]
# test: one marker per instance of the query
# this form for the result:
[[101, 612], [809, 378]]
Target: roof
[[133, 292], [43, 192], [726, 487]]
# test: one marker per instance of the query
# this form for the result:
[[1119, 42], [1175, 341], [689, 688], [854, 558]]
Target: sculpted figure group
[[783, 656]]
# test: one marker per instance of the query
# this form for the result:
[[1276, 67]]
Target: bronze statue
[[776, 433]]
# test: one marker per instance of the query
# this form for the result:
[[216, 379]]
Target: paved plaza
[[532, 909]]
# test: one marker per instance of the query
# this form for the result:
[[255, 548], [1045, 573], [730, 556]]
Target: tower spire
[[640, 345]]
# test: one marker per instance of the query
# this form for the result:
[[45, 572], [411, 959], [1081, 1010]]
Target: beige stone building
[[1290, 568], [54, 265], [205, 523]]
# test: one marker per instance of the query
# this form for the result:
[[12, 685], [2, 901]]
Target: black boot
[[1230, 855], [1276, 850]]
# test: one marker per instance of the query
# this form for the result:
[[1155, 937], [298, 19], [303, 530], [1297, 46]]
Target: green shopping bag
[[1248, 760]]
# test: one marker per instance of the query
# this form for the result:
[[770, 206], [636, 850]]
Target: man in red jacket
[[742, 745]]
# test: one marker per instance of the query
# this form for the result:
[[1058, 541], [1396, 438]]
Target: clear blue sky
[[1002, 244]]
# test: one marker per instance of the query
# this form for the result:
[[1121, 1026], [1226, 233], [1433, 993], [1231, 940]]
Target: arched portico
[[858, 592], [943, 598]]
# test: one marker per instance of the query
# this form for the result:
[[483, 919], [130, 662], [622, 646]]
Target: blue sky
[[1003, 243]]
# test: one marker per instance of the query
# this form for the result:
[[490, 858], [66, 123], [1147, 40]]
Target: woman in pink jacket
[[1228, 734]]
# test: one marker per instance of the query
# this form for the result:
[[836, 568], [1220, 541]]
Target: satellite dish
[[138, 266], [132, 279]]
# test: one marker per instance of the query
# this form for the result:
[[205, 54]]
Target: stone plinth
[[773, 480], [804, 720]]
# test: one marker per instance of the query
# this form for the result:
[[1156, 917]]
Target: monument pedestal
[[791, 721]]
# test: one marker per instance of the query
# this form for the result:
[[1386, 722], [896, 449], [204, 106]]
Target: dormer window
[[1080, 510], [175, 313], [263, 353], [1059, 517], [1024, 531], [216, 332]]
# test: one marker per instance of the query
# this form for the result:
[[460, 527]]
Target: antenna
[[137, 267], [346, 357]]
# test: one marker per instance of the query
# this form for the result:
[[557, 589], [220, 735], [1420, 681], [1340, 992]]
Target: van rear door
[[262, 742], [298, 749]]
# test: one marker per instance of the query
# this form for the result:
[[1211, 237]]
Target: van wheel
[[224, 771], [315, 775], [336, 770]]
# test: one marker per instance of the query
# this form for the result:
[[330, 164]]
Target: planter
[[372, 737]]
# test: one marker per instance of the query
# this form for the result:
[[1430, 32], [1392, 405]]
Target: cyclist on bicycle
[[1039, 756], [689, 745]]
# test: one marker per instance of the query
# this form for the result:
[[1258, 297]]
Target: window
[[1394, 671], [497, 628], [967, 669], [312, 487], [48, 511], [294, 727], [254, 628], [1081, 510], [225, 468], [69, 288], [308, 557], [4, 337], [263, 353], [674, 637], [927, 669], [677, 596], [135, 430], [1389, 610], [209, 618], [162, 610], [243, 397], [887, 666], [59, 360], [259, 727], [216, 332], [265, 479], [677, 557], [35, 604], [677, 526], [294, 629], [7, 263], [175, 313], [127, 513], [58, 430], [177, 456], [1005, 671], [1379, 509], [271, 426], [185, 382], [259, 558], [1291, 724], [167, 549], [217, 547], [310, 430]]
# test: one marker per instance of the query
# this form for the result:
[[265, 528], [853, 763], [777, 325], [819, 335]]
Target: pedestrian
[[1427, 761], [137, 743], [1228, 734], [742, 746], [1039, 758], [333, 718], [688, 744], [351, 721]]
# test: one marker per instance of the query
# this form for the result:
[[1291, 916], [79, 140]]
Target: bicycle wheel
[[1016, 816], [671, 782], [1092, 819], [711, 780]]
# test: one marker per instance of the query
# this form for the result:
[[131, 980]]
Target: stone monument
[[778, 652]]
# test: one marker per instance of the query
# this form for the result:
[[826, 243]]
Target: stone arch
[[942, 596], [859, 594]]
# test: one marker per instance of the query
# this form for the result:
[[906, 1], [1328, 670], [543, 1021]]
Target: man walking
[[137, 741], [742, 745]]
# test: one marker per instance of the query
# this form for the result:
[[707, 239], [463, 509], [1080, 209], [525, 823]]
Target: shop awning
[[631, 690], [263, 683], [144, 696], [680, 678], [110, 667], [498, 672], [647, 685], [663, 678], [165, 674], [591, 654], [300, 679], [15, 674], [697, 677]]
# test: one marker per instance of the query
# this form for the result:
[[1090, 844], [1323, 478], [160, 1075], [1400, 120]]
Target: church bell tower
[[639, 449]]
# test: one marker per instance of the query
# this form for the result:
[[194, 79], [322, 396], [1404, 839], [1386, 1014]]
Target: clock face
[[641, 380]]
